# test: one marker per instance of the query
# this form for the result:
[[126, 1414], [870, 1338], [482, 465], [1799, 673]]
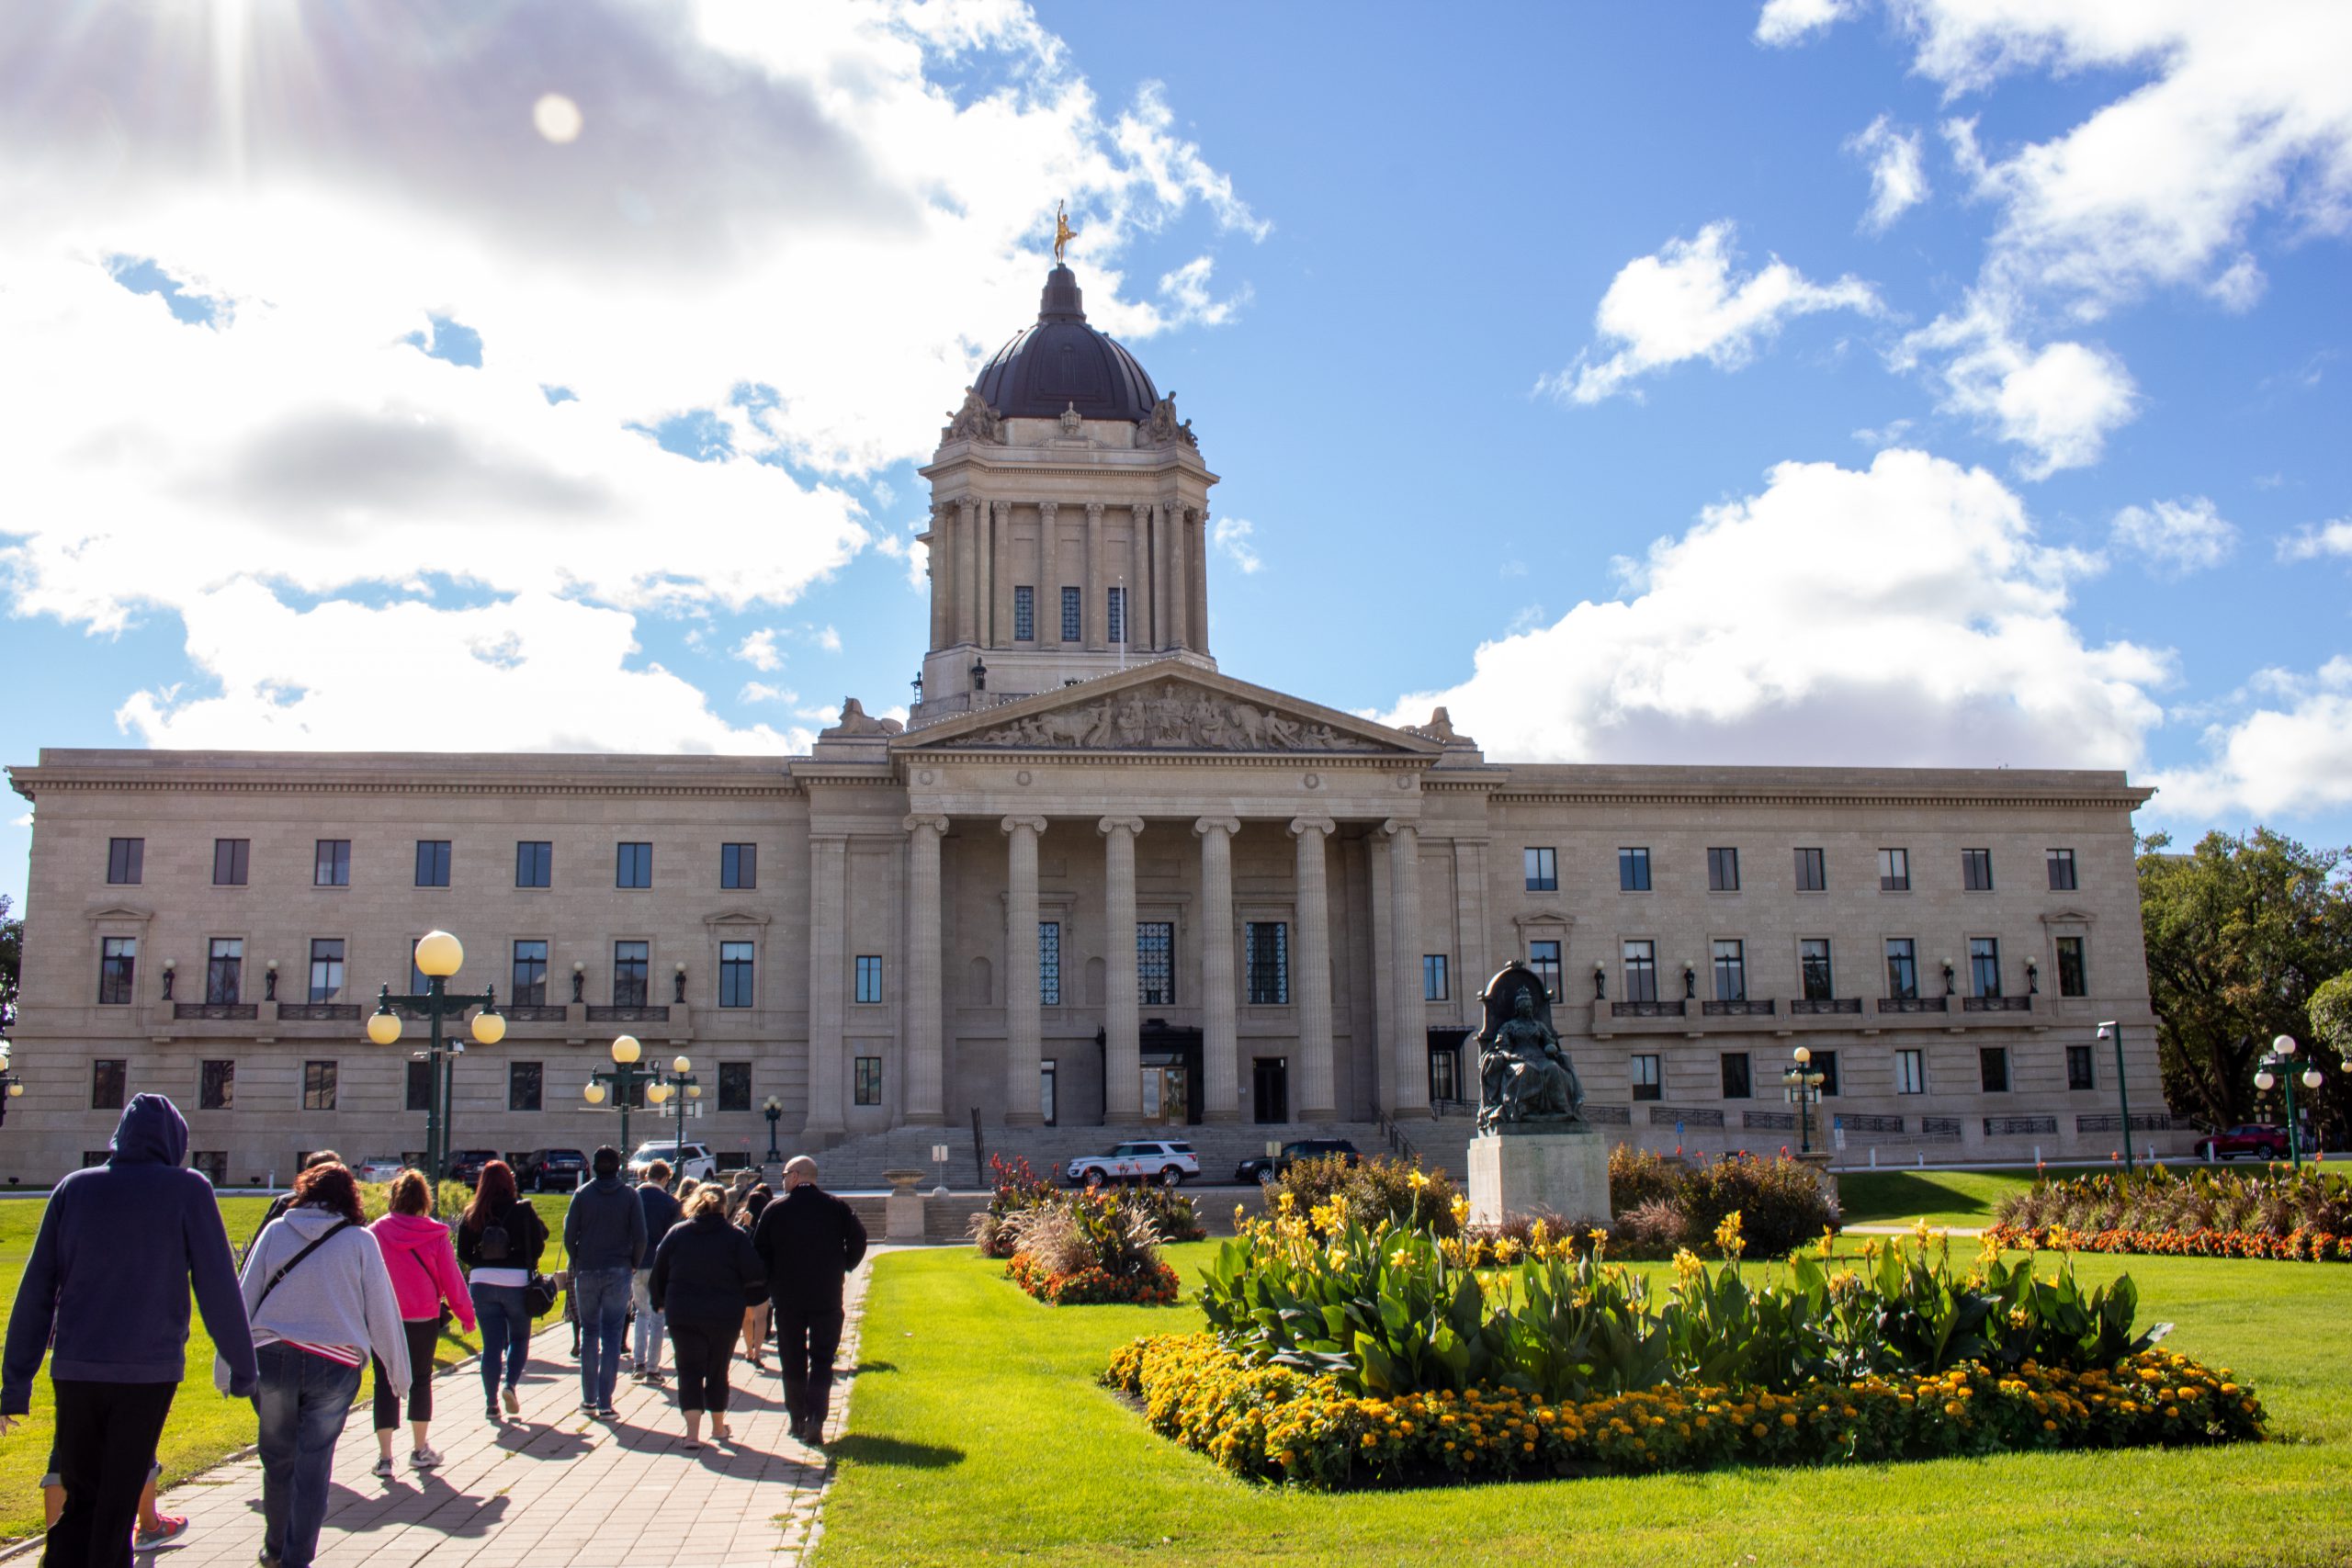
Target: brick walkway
[[554, 1489]]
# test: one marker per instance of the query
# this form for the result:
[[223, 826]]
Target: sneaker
[[384, 1467], [606, 1413], [587, 1407], [423, 1458], [490, 1411], [513, 1404], [169, 1527]]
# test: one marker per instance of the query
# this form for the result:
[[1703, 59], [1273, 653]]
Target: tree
[[2242, 932], [2331, 1011], [12, 960]]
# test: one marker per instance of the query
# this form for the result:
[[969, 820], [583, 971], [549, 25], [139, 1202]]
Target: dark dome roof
[[1062, 361]]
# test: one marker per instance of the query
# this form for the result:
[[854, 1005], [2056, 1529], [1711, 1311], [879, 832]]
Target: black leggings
[[106, 1440], [704, 1350], [423, 1333]]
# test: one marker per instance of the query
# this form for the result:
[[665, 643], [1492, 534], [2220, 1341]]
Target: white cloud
[[1785, 22], [2175, 537], [2289, 760], [1903, 613], [1685, 302], [1898, 172], [758, 651], [1232, 535], [24, 821], [2329, 538], [761, 691], [2059, 402], [1187, 291]]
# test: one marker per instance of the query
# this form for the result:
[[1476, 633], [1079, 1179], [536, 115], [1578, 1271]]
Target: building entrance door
[[1270, 1088], [1165, 1094]]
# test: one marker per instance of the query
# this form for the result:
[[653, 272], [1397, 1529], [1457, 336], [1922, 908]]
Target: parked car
[[1263, 1168], [695, 1161], [2261, 1139], [1148, 1160], [380, 1168], [561, 1169], [465, 1164]]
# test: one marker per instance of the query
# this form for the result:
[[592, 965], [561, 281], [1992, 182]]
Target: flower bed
[[1089, 1249], [2295, 1246], [2290, 1216], [1018, 1189], [1093, 1285]]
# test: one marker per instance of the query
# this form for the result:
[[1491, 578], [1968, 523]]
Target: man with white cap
[[810, 1241]]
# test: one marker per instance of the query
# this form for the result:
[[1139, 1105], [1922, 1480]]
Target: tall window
[[1910, 1072], [739, 866], [2074, 974], [1993, 1069], [318, 1085], [529, 986], [1902, 968], [433, 863], [526, 1086], [1813, 871], [632, 963], [1813, 968], [126, 860], [869, 978], [1738, 1083], [230, 861], [534, 863], [118, 967], [1894, 871], [868, 1080], [1542, 870], [216, 1086], [326, 968], [417, 1089], [330, 864], [1985, 965], [1977, 870], [1544, 957], [1266, 945], [1641, 971], [417, 984], [2080, 1074], [734, 974], [224, 969], [734, 1086], [1633, 871], [109, 1078], [1156, 962], [633, 865], [1115, 614], [1049, 964], [1641, 1071], [1731, 971], [1025, 614], [2061, 870], [1433, 986], [1073, 610], [1723, 871], [1826, 1064]]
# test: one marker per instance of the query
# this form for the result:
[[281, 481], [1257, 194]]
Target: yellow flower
[[1787, 1419], [1461, 1211], [1687, 1265], [1728, 1240], [1419, 1180], [1398, 1258]]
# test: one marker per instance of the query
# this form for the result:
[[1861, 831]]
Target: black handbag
[[540, 1294]]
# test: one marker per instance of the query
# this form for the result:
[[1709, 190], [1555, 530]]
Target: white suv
[[695, 1161], [1167, 1163]]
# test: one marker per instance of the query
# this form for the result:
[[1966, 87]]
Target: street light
[[1801, 1086], [773, 1112], [2279, 1068], [13, 1088], [623, 1080], [2113, 1033], [438, 956]]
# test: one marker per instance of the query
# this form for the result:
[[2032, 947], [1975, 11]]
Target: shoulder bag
[[287, 1267]]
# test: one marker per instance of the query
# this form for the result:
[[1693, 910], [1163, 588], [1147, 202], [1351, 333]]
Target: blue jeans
[[648, 1322], [301, 1402], [600, 1299], [505, 1312]]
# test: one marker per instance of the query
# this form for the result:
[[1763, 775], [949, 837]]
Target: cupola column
[[940, 555], [968, 573], [1001, 558], [1049, 578], [1196, 531], [1139, 578], [1093, 614]]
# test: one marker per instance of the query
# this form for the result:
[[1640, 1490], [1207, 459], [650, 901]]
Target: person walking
[[662, 1211], [499, 1240], [105, 1297], [809, 1241], [704, 1270], [424, 1266], [321, 1300], [603, 1239], [285, 1200], [759, 1317]]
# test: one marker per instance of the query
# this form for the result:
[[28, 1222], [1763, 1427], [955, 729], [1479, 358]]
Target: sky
[[1934, 382]]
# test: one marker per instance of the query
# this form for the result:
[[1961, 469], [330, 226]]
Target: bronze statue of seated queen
[[1524, 1076]]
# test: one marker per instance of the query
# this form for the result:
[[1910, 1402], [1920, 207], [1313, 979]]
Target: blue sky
[[1819, 382]]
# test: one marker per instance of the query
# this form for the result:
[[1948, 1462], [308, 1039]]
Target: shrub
[[1090, 1248], [1653, 1229], [1781, 1201], [1378, 1184], [1020, 1191], [1637, 1176], [2271, 1213]]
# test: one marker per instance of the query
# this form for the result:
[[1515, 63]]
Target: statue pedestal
[[1556, 1172]]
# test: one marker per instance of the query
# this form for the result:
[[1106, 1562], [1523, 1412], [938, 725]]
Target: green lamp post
[[1801, 1085], [2278, 1070], [439, 957]]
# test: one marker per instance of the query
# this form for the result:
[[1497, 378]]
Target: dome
[[1062, 362]]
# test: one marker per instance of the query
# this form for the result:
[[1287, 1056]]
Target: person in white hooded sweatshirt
[[320, 1301]]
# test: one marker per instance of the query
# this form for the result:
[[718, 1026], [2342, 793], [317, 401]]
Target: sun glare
[[557, 118]]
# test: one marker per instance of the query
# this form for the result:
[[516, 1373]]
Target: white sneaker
[[384, 1467], [422, 1459]]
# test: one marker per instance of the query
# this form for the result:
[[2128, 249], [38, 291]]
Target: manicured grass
[[1940, 1197], [978, 1433]]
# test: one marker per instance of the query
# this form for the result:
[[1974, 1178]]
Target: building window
[[212, 1163], [2073, 974], [1433, 986], [632, 961], [418, 985], [1266, 948], [1977, 870], [230, 861], [1723, 871], [1156, 964], [433, 863], [734, 974], [224, 969], [1993, 1069], [1813, 968], [2080, 1072], [739, 866], [330, 864], [1902, 968], [1024, 617], [1641, 971], [1048, 1099], [1073, 608], [1642, 1072], [418, 1092], [869, 1080], [869, 976], [318, 1085], [216, 1086], [534, 864], [1446, 1074], [1910, 1072], [1542, 870], [1894, 871], [109, 1074], [529, 986], [526, 1086], [1633, 871], [2061, 870], [1116, 607], [118, 967], [1985, 965], [633, 865], [1737, 1082], [1049, 964], [1544, 957], [126, 860], [1826, 1064], [734, 1086], [326, 968], [1813, 871], [1731, 971]]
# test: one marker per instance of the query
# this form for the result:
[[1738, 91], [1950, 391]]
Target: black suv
[[561, 1169], [465, 1164], [1259, 1167]]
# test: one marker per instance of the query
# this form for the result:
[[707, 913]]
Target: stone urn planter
[[902, 1210]]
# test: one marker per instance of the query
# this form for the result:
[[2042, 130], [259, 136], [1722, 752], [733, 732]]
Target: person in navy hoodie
[[119, 1245]]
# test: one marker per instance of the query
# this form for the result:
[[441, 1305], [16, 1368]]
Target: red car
[[2260, 1139]]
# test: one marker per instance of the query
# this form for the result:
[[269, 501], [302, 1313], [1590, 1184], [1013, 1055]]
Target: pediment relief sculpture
[[1171, 716]]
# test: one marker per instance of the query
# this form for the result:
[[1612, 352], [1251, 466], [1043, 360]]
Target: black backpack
[[493, 1246]]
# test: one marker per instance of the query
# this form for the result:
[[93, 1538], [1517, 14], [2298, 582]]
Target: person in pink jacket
[[424, 1266]]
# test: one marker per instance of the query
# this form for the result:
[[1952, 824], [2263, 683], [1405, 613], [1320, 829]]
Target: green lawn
[[1940, 1197], [978, 1434]]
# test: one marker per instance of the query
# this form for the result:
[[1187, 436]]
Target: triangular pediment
[[1164, 707]]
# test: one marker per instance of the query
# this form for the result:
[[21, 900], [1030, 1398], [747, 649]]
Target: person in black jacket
[[704, 1270], [500, 1241], [809, 1240]]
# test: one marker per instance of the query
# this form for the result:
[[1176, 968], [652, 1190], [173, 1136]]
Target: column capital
[[1397, 827], [1049, 507], [1014, 824], [1323, 825], [1130, 826], [921, 821], [1228, 826], [1093, 510]]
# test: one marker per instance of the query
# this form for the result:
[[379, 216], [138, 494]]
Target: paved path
[[553, 1489]]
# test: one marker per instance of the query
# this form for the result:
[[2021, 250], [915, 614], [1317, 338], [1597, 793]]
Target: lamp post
[[1800, 1084], [438, 956], [2279, 1068], [2112, 1033], [661, 1092], [622, 1081], [773, 1112], [13, 1088]]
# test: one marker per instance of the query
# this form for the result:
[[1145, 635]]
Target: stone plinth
[[902, 1210], [1559, 1173]]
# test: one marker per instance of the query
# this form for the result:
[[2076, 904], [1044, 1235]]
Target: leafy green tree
[[12, 960], [2331, 1011]]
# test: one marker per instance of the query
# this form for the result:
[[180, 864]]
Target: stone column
[[1023, 1010], [828, 918], [1163, 579], [1091, 615], [1002, 562], [968, 573], [1049, 578], [925, 1058], [1220, 1031], [1180, 576], [1139, 578], [1311, 975], [941, 559], [1122, 1020], [1409, 1075], [1198, 533], [1381, 1042]]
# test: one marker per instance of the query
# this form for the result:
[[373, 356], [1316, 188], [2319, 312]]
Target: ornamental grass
[[2302, 1216], [1091, 1249], [1016, 1190]]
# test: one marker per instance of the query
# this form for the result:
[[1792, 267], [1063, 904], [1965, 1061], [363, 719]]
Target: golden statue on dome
[[1063, 233]]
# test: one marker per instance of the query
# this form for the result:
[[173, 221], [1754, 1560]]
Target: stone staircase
[[857, 1164]]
